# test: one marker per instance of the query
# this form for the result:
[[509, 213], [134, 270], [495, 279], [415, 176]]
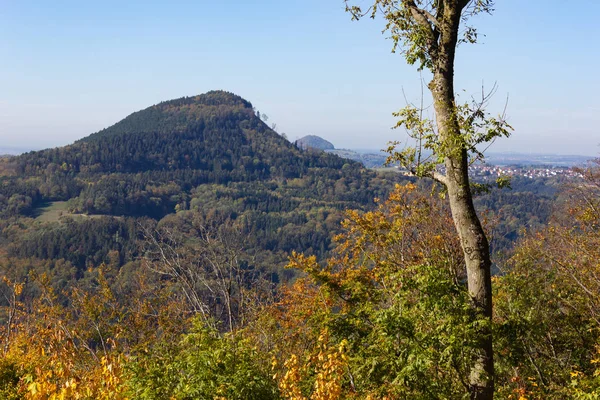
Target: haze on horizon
[[72, 69]]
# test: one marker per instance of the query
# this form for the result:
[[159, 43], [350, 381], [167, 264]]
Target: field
[[51, 211], [54, 210]]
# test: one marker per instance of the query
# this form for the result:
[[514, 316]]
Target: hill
[[314, 142], [214, 132], [368, 159], [176, 145], [206, 160]]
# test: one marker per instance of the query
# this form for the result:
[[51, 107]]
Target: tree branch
[[441, 178], [431, 18], [429, 23], [436, 176], [422, 17]]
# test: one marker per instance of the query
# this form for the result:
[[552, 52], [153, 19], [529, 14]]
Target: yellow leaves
[[290, 383], [61, 363], [371, 396], [33, 388], [532, 382], [331, 365], [328, 365], [18, 289], [58, 381]]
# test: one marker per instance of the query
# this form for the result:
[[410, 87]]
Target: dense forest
[[159, 245], [207, 157]]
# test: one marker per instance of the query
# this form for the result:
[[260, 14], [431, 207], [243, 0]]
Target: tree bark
[[473, 240]]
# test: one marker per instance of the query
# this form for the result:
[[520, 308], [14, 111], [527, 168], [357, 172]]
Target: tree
[[391, 295], [213, 271], [429, 31]]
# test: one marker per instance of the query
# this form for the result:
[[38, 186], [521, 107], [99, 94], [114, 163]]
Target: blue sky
[[70, 68]]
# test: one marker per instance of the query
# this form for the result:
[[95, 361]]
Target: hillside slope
[[211, 132], [206, 159]]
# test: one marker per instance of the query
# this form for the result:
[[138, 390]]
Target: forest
[[177, 264], [380, 315], [192, 252]]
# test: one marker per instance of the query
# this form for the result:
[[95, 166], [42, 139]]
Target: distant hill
[[536, 159], [206, 160], [314, 142], [11, 151]]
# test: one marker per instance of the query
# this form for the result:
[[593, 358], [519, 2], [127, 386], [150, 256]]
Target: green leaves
[[477, 128], [417, 26], [204, 365]]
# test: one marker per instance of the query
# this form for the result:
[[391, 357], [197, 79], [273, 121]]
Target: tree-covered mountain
[[204, 158], [216, 132], [191, 207], [164, 150]]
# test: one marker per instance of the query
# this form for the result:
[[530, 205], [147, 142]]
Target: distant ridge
[[369, 160], [12, 151]]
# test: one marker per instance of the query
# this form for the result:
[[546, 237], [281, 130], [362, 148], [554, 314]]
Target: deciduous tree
[[428, 32]]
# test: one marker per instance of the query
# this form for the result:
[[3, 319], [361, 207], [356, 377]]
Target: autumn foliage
[[387, 316]]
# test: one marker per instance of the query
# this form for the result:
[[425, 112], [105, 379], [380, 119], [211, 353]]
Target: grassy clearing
[[51, 212], [54, 210]]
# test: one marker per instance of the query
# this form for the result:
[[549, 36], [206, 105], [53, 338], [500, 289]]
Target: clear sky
[[71, 68]]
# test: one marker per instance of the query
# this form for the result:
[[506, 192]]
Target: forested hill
[[216, 132], [207, 158], [180, 114], [314, 142], [177, 145]]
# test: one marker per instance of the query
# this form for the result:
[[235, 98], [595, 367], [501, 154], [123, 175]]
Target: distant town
[[491, 171]]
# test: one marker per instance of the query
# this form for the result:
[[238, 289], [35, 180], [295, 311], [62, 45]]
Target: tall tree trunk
[[474, 243], [477, 258]]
